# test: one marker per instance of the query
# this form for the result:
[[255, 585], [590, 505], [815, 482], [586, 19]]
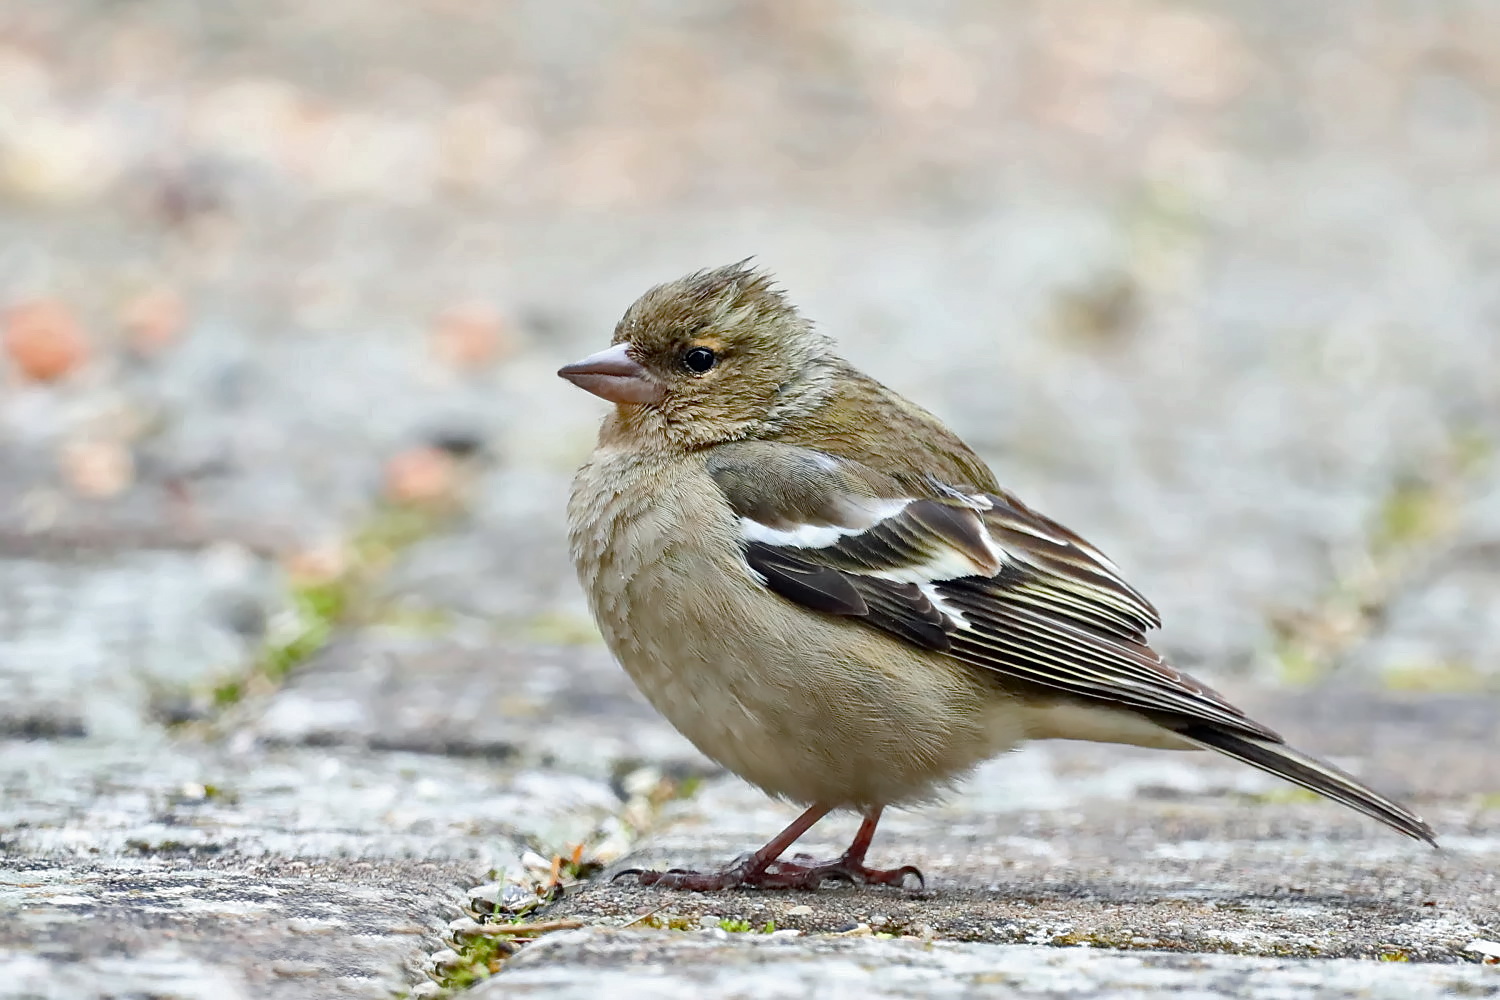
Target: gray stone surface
[[179, 869], [100, 798], [570, 707], [109, 643], [224, 927], [1441, 627], [581, 965], [471, 571], [321, 847]]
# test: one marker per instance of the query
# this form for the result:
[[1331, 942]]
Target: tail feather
[[1312, 774]]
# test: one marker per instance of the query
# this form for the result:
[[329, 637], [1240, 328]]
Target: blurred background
[[285, 285]]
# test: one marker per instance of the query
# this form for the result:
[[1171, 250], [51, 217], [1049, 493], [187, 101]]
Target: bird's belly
[[858, 761], [816, 710], [809, 707]]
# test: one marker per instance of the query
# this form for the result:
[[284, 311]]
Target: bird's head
[[715, 356]]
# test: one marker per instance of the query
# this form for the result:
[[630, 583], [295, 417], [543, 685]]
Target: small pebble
[[44, 341], [421, 475], [641, 782], [800, 910], [153, 320], [98, 469], [441, 961], [486, 898], [469, 335], [1489, 951], [611, 848], [192, 791], [462, 928], [426, 991], [491, 891], [321, 563], [709, 922], [515, 898]]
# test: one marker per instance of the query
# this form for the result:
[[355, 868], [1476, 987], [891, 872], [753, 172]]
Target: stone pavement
[[583, 964], [230, 867], [322, 847], [298, 697]]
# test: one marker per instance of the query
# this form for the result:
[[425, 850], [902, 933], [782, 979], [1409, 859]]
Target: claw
[[637, 872], [900, 875]]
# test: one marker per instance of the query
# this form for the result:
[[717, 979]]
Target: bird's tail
[[1312, 774]]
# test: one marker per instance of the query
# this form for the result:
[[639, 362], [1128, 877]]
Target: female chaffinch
[[828, 593]]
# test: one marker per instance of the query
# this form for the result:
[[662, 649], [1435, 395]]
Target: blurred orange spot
[[43, 340], [318, 564], [153, 320], [98, 468], [421, 475], [469, 335]]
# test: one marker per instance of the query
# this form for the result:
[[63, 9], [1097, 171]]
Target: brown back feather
[[905, 441]]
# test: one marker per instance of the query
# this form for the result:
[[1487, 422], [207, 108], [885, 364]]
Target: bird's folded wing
[[978, 576]]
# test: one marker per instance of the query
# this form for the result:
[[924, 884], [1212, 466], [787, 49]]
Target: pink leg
[[763, 870], [851, 867]]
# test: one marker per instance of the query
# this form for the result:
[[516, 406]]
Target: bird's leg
[[759, 870], [850, 866], [763, 870]]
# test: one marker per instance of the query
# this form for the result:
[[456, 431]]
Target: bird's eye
[[699, 360]]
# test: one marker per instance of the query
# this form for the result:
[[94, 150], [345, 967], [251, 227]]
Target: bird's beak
[[614, 375]]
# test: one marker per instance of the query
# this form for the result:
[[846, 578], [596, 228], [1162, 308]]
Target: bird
[[829, 594]]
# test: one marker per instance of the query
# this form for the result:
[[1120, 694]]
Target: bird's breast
[[812, 707]]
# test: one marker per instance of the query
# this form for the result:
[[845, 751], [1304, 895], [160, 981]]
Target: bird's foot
[[802, 872], [811, 873]]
